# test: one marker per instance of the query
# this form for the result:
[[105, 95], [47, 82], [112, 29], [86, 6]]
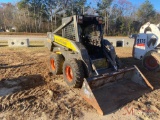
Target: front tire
[[73, 73]]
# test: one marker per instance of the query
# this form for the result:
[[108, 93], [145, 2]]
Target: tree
[[32, 13], [146, 12], [121, 15], [75, 7], [6, 15], [102, 6], [156, 18]]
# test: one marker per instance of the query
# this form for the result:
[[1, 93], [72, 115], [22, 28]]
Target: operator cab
[[91, 34]]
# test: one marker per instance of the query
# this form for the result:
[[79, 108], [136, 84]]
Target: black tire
[[56, 63], [151, 61], [73, 73]]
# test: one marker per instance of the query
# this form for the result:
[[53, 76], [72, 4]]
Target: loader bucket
[[108, 92]]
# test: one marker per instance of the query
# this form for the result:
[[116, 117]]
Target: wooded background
[[121, 16]]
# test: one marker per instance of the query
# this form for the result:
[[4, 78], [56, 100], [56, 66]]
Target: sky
[[6, 1], [156, 3]]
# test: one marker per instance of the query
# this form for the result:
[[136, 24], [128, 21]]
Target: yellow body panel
[[65, 42], [58, 52]]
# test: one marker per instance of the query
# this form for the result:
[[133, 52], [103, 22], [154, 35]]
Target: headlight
[[80, 19], [100, 20]]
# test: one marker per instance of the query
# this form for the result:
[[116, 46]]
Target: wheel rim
[[69, 73], [52, 64], [151, 62]]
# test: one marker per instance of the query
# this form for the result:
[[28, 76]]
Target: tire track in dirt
[[54, 100], [41, 96], [23, 63]]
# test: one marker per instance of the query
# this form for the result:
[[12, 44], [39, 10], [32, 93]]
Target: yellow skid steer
[[89, 62]]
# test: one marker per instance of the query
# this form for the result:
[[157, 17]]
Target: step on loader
[[89, 62]]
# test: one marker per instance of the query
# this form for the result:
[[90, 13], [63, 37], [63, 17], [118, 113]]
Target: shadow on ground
[[5, 66], [3, 45], [115, 96], [153, 77], [36, 45], [10, 86]]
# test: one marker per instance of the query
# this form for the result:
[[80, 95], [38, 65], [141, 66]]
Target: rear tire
[[56, 63], [73, 73], [151, 61]]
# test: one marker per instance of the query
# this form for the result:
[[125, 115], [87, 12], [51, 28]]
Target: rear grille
[[69, 32]]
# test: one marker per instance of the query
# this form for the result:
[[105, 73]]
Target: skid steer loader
[[147, 46], [89, 62]]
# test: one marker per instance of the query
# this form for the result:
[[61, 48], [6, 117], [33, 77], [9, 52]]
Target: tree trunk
[[55, 21], [5, 27], [105, 24]]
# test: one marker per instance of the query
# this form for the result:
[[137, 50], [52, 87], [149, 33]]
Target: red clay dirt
[[29, 91]]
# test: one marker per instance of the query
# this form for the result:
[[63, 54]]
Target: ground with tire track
[[28, 91]]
